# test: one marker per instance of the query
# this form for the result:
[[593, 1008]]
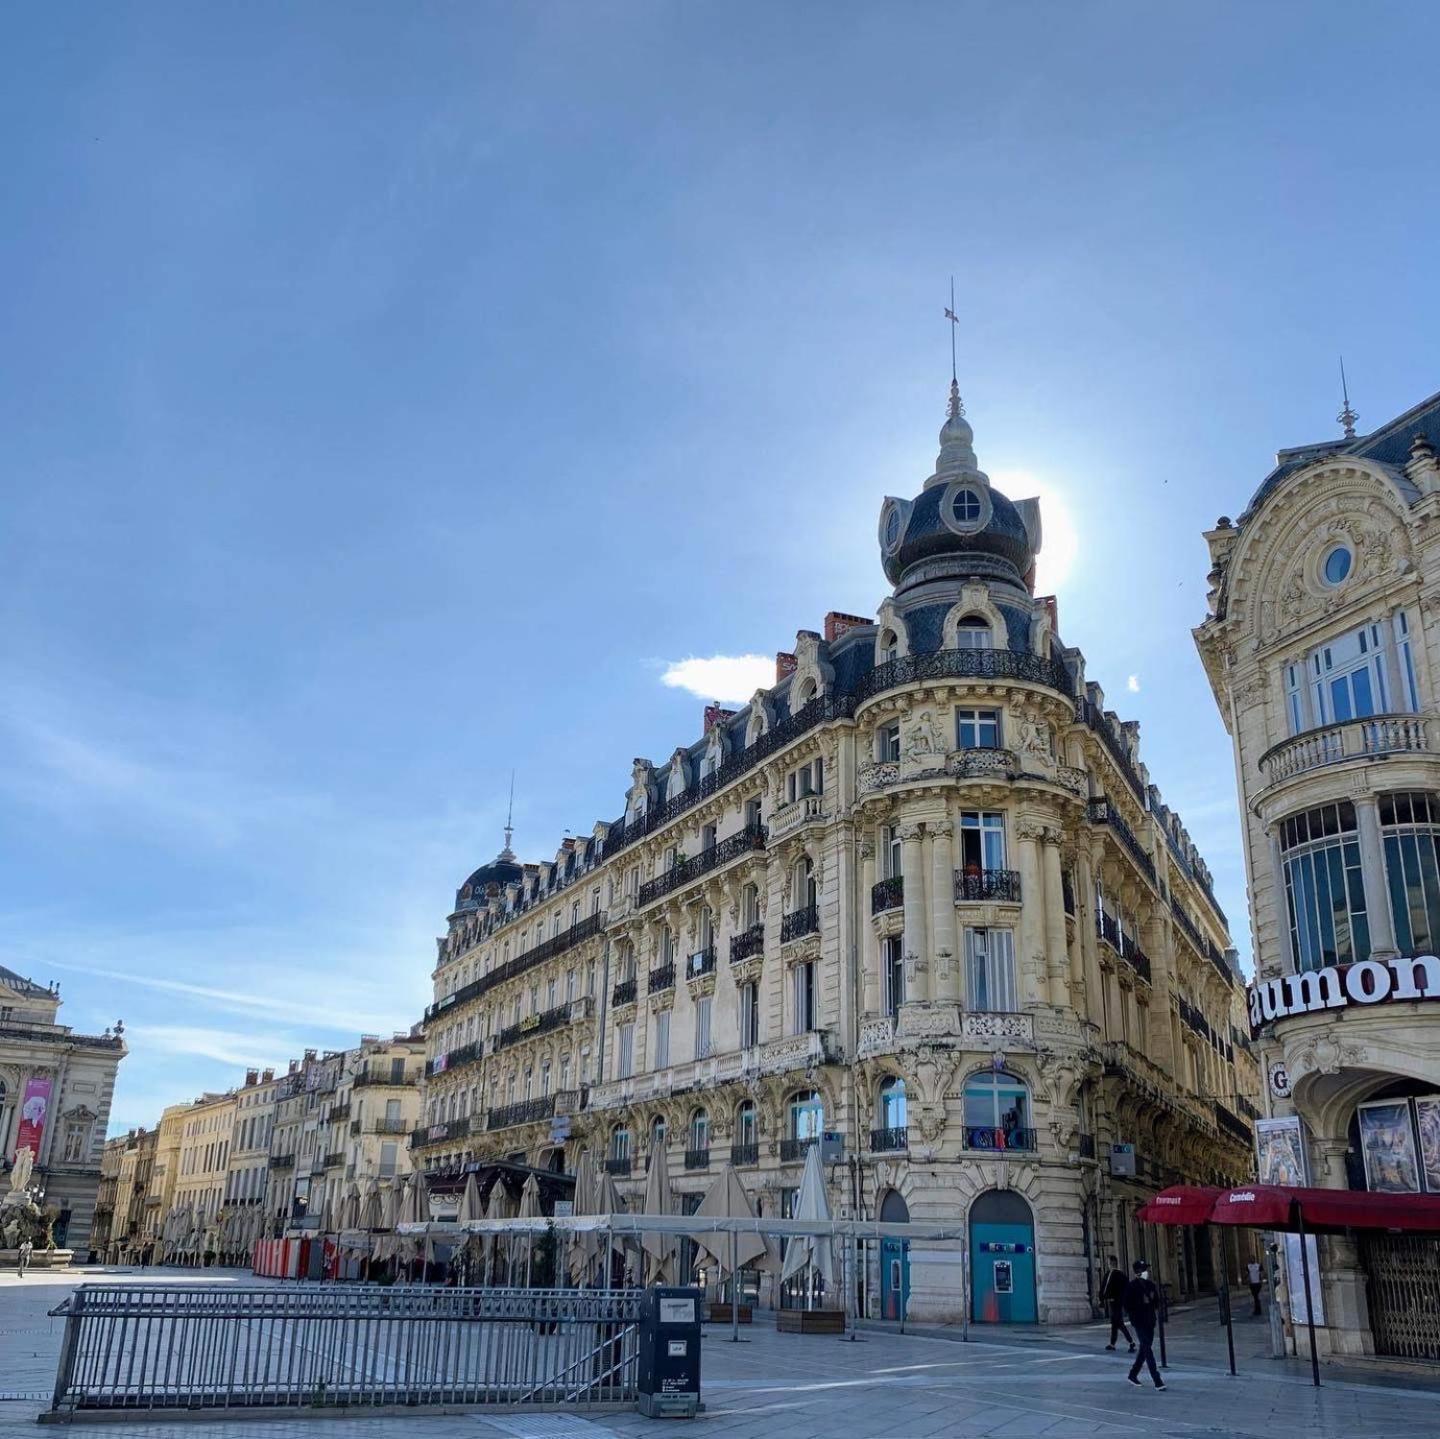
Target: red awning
[[1275, 1206], [1180, 1204]]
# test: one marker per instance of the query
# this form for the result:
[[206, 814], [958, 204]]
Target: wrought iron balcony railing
[[994, 884], [661, 977], [701, 962], [617, 1164], [793, 1149], [524, 1111], [532, 1025], [697, 1159], [801, 922], [889, 1141], [742, 1154], [887, 894], [983, 1137], [1103, 811], [623, 993], [747, 840], [748, 942]]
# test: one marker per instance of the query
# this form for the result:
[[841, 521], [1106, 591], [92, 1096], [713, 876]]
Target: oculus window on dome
[[1336, 565], [892, 527]]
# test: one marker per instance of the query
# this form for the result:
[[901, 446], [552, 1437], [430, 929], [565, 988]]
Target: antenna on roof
[[1347, 416], [506, 853]]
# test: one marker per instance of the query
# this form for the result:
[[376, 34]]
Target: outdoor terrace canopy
[[1292, 1209]]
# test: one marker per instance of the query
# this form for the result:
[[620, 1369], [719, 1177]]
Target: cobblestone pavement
[[1009, 1384]]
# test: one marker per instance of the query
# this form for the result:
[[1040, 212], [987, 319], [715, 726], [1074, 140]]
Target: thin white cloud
[[244, 1051], [726, 678], [1133, 684]]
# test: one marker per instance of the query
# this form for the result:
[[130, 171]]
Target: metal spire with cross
[[957, 407], [1347, 416], [507, 852]]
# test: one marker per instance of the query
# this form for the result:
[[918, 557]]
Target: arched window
[[659, 1133], [997, 1111], [973, 633], [806, 1115], [890, 1106], [699, 1132], [747, 1131], [889, 646], [806, 694]]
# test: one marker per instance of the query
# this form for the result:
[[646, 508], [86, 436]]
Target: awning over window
[[1277, 1206]]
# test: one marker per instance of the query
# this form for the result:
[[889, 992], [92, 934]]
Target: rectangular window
[[1324, 888], [887, 743], [752, 814], [1294, 703], [1410, 827], [625, 1052], [388, 1153], [1348, 677], [1407, 662], [892, 958], [749, 1015], [982, 841], [990, 970], [978, 729], [803, 982], [662, 1040], [702, 1027], [890, 857]]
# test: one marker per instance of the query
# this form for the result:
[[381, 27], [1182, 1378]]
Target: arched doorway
[[894, 1259], [1002, 1259]]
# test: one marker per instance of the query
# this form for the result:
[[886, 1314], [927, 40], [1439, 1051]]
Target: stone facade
[[920, 898], [62, 1081], [1323, 646]]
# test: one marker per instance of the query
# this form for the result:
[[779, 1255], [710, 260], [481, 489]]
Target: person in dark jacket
[[1112, 1294], [1142, 1303]]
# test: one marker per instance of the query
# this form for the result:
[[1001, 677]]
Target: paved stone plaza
[[1003, 1383]]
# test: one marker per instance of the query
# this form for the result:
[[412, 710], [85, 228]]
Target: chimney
[[252, 1078], [267, 1076], [294, 1065], [836, 624], [713, 715], [309, 1056], [784, 665]]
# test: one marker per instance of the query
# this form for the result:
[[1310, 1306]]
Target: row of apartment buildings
[[274, 1155], [918, 902]]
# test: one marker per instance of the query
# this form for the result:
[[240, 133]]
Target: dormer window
[[973, 633]]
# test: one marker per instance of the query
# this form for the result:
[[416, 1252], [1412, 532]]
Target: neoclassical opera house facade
[[919, 903], [1323, 646]]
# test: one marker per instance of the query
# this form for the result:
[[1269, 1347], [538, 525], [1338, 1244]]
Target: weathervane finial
[[957, 406], [1347, 416], [509, 816]]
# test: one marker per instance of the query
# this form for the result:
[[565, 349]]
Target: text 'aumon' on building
[[918, 903], [1323, 646]]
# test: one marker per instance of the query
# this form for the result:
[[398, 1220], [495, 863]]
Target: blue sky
[[395, 392]]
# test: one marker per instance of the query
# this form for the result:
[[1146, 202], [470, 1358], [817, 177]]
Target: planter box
[[718, 1312], [810, 1321]]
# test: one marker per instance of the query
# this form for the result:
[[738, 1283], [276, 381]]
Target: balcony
[[747, 943], [1233, 1125], [682, 872], [532, 1025], [379, 1126], [1353, 739], [887, 894], [623, 993], [1103, 811], [525, 1111], [282, 1161], [339, 1113], [800, 923], [995, 1140], [799, 812], [792, 1151], [661, 977], [702, 962], [697, 1159], [987, 884], [335, 1159], [889, 1141], [618, 1164], [466, 1054], [743, 1154], [386, 1079]]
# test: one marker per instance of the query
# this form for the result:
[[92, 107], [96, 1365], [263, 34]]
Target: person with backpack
[[1112, 1295], [1142, 1304]]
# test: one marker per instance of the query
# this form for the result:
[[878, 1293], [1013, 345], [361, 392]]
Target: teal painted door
[[1002, 1274], [894, 1278]]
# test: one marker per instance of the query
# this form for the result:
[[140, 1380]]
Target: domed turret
[[958, 527]]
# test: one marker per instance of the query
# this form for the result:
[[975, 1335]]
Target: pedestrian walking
[[22, 1261], [1112, 1295], [1142, 1304], [1253, 1277]]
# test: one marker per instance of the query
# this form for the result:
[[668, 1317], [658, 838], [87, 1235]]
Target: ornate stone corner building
[[1323, 646], [55, 1090], [918, 903]]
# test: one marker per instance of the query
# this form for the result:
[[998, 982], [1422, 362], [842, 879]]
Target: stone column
[[869, 945], [1372, 870], [912, 869], [1030, 942], [1057, 959], [945, 976]]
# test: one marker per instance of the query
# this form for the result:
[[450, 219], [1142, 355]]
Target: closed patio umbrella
[[529, 1209], [660, 1251], [580, 1251], [497, 1207], [371, 1212], [388, 1206], [469, 1201], [811, 1252]]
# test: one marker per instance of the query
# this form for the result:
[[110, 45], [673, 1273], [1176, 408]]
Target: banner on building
[[34, 1109], [1280, 1151]]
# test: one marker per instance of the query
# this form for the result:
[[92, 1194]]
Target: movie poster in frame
[[1427, 1117], [1387, 1145], [1280, 1151]]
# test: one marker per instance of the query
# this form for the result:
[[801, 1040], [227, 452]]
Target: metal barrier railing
[[218, 1347]]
